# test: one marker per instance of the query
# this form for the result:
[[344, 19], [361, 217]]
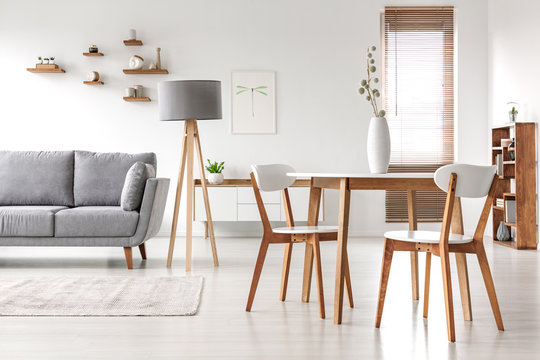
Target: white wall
[[514, 50], [316, 48]]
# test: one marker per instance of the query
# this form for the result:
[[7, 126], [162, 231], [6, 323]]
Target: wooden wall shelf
[[93, 82], [519, 175], [92, 54], [133, 42], [146, 71], [35, 70], [136, 99]]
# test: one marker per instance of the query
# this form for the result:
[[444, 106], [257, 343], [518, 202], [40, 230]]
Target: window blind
[[418, 73]]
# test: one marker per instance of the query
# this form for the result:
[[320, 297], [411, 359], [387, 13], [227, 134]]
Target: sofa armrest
[[152, 209]]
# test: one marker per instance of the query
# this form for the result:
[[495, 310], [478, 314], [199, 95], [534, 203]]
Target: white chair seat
[[305, 229], [431, 237]]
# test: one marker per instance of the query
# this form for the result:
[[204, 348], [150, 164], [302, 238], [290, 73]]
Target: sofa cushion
[[133, 190], [28, 220], [36, 178], [99, 177], [95, 221]]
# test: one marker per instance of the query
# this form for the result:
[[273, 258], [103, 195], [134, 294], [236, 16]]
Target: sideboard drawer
[[246, 196], [250, 212], [222, 204]]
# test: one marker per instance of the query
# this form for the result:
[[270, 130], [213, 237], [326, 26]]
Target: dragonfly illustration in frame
[[253, 90]]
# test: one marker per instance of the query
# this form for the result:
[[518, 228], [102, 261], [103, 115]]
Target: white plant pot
[[51, 62], [46, 62], [215, 179], [378, 145]]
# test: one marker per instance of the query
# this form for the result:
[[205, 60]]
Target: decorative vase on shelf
[[215, 178], [512, 153], [502, 233], [136, 62], [378, 145]]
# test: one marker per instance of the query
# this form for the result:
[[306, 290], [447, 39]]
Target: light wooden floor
[[276, 330]]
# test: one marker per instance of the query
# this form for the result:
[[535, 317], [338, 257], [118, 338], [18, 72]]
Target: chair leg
[[285, 272], [318, 270], [388, 252], [490, 286], [142, 249], [257, 273], [129, 257], [426, 284], [308, 269], [348, 285], [448, 300]]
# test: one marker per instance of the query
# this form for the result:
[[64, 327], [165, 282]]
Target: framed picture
[[253, 97]]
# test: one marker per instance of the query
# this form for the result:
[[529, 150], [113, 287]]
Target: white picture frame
[[253, 102]]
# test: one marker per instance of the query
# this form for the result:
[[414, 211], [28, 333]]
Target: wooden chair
[[274, 178], [458, 180]]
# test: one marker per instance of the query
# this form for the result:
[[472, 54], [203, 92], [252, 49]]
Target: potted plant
[[378, 138], [45, 60], [39, 60], [513, 114], [51, 60], [215, 175]]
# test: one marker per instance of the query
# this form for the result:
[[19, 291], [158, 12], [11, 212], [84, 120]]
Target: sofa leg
[[129, 257], [142, 249]]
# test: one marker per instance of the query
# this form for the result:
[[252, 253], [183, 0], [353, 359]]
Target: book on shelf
[[499, 164], [510, 211]]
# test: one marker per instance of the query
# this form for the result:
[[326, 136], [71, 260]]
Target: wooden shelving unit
[[521, 172], [92, 54], [93, 82], [133, 42], [146, 71], [136, 99]]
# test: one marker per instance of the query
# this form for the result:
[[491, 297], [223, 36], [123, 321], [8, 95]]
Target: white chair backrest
[[473, 181], [273, 177]]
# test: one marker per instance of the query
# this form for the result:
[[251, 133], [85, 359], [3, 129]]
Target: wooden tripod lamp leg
[[189, 187], [209, 222], [178, 194]]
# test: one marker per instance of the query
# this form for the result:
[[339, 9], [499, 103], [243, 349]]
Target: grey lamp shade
[[189, 100]]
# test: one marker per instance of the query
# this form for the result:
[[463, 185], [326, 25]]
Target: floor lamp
[[189, 101]]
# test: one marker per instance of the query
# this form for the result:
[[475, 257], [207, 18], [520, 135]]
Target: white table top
[[363, 175]]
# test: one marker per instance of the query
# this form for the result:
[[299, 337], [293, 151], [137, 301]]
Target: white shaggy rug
[[100, 296]]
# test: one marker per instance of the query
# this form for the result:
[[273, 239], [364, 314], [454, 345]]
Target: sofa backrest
[[36, 178], [99, 177]]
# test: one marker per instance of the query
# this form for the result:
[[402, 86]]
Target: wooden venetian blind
[[418, 76]]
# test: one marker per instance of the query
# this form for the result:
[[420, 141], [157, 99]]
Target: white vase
[[215, 179], [378, 145]]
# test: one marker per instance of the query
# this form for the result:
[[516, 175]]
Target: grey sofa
[[72, 198]]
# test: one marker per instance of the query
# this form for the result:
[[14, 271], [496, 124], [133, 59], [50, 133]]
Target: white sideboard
[[234, 201]]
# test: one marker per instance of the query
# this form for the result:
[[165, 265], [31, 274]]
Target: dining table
[[347, 182]]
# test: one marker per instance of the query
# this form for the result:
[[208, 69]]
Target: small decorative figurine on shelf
[[46, 61], [51, 60], [512, 153], [39, 60], [92, 76], [158, 58], [93, 49], [136, 62]]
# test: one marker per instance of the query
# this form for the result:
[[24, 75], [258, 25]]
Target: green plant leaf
[[262, 92], [241, 91], [241, 87], [261, 87]]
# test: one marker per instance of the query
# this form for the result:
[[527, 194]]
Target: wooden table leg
[[461, 262], [413, 225], [313, 220], [343, 224]]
